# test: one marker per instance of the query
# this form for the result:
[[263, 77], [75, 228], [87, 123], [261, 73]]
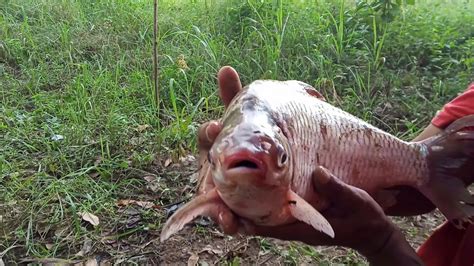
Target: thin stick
[[155, 57]]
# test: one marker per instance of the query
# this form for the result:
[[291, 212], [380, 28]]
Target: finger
[[229, 84], [207, 134], [338, 192], [228, 223], [297, 231]]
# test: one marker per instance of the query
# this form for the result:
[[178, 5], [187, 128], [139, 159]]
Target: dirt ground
[[203, 244]]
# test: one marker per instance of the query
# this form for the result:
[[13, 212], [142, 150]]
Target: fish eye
[[283, 159]]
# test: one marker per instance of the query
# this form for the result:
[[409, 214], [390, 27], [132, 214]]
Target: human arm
[[409, 200]]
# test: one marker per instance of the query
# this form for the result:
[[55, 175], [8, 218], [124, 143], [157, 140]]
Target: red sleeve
[[461, 106]]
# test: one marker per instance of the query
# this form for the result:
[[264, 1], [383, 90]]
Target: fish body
[[275, 133]]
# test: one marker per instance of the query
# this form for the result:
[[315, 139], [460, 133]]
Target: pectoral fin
[[207, 204], [304, 212]]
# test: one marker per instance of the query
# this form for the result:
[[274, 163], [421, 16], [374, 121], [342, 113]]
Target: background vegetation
[[80, 129]]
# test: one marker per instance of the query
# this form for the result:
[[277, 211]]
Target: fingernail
[[207, 133], [208, 128]]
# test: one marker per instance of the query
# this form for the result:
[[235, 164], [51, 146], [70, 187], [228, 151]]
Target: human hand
[[358, 221], [229, 85]]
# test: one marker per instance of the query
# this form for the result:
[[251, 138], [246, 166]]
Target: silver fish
[[275, 134]]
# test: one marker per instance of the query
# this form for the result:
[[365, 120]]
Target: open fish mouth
[[244, 162]]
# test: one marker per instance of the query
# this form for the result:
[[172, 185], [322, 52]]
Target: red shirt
[[461, 106], [448, 246]]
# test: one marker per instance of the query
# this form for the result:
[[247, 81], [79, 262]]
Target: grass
[[81, 71]]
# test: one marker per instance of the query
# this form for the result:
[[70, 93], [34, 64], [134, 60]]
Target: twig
[[155, 57]]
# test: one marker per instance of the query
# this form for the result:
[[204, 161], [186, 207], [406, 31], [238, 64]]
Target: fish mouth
[[244, 162]]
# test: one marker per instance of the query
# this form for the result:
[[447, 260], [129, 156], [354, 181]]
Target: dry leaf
[[49, 246], [143, 204], [89, 217], [187, 160], [153, 185], [94, 174], [193, 260], [142, 128], [211, 250], [168, 162], [149, 178]]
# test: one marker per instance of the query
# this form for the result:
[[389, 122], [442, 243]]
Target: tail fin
[[450, 162]]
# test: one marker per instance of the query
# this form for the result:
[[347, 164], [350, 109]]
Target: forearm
[[395, 251]]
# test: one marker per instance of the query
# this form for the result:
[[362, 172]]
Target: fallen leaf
[[193, 260], [49, 246], [149, 178], [211, 250], [153, 183], [89, 217], [187, 160], [143, 204], [142, 128], [94, 174], [168, 162]]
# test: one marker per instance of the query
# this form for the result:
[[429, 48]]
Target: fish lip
[[232, 161]]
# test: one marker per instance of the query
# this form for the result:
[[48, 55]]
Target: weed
[[78, 116]]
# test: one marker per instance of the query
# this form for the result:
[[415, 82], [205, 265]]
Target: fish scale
[[337, 153]]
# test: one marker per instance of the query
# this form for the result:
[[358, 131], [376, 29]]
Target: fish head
[[250, 152]]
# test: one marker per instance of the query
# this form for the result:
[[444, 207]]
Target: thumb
[[229, 84], [335, 190]]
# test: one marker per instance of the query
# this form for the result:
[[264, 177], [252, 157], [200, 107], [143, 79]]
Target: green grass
[[82, 70]]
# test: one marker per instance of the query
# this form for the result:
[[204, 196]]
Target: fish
[[275, 133]]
